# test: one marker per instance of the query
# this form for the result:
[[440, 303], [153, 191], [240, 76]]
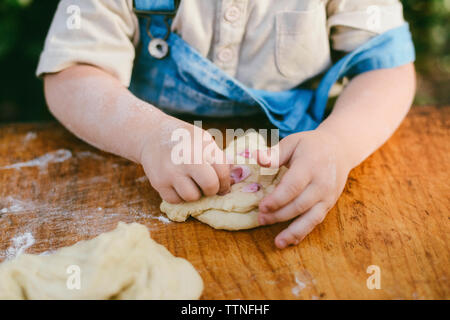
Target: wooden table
[[394, 213]]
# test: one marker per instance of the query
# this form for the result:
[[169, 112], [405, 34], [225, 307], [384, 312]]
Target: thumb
[[277, 155]]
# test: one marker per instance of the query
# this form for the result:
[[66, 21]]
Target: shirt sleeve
[[97, 32], [351, 23]]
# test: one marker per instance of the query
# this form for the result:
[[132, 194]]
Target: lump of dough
[[232, 221], [122, 264], [238, 209]]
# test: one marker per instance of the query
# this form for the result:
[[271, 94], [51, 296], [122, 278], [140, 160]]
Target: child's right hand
[[182, 182]]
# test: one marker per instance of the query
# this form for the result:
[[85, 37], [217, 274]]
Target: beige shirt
[[266, 44]]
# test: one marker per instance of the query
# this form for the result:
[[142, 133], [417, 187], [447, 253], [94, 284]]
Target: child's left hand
[[317, 174]]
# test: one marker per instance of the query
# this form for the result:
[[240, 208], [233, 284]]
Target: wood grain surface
[[394, 213]]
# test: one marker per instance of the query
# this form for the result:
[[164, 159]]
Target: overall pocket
[[302, 46]]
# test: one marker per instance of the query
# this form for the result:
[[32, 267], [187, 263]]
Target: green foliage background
[[24, 24]]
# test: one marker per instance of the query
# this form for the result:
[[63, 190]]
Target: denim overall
[[186, 83]]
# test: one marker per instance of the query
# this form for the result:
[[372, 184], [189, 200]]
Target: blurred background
[[24, 24]]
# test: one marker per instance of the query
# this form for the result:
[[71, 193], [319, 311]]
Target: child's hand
[[183, 182], [316, 177]]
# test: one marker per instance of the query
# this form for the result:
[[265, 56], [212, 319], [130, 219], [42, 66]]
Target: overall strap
[[164, 7], [163, 11], [390, 49]]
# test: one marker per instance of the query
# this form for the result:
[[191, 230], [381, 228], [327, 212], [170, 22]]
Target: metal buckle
[[158, 47]]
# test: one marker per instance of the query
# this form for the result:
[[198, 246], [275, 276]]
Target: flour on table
[[30, 136], [162, 219], [88, 154], [238, 209], [141, 179], [14, 205], [303, 280], [299, 287], [121, 264], [60, 155], [19, 245]]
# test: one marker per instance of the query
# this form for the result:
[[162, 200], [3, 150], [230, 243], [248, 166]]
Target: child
[[232, 58]]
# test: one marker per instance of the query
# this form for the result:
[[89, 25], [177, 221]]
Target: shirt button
[[225, 55], [232, 14]]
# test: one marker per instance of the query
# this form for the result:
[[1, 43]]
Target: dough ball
[[122, 264]]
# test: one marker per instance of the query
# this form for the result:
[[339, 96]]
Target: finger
[[187, 189], [301, 226], [223, 173], [305, 201], [263, 157], [206, 178], [222, 167], [170, 195], [278, 155], [291, 185]]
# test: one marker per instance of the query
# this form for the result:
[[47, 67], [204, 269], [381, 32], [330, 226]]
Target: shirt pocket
[[302, 47]]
